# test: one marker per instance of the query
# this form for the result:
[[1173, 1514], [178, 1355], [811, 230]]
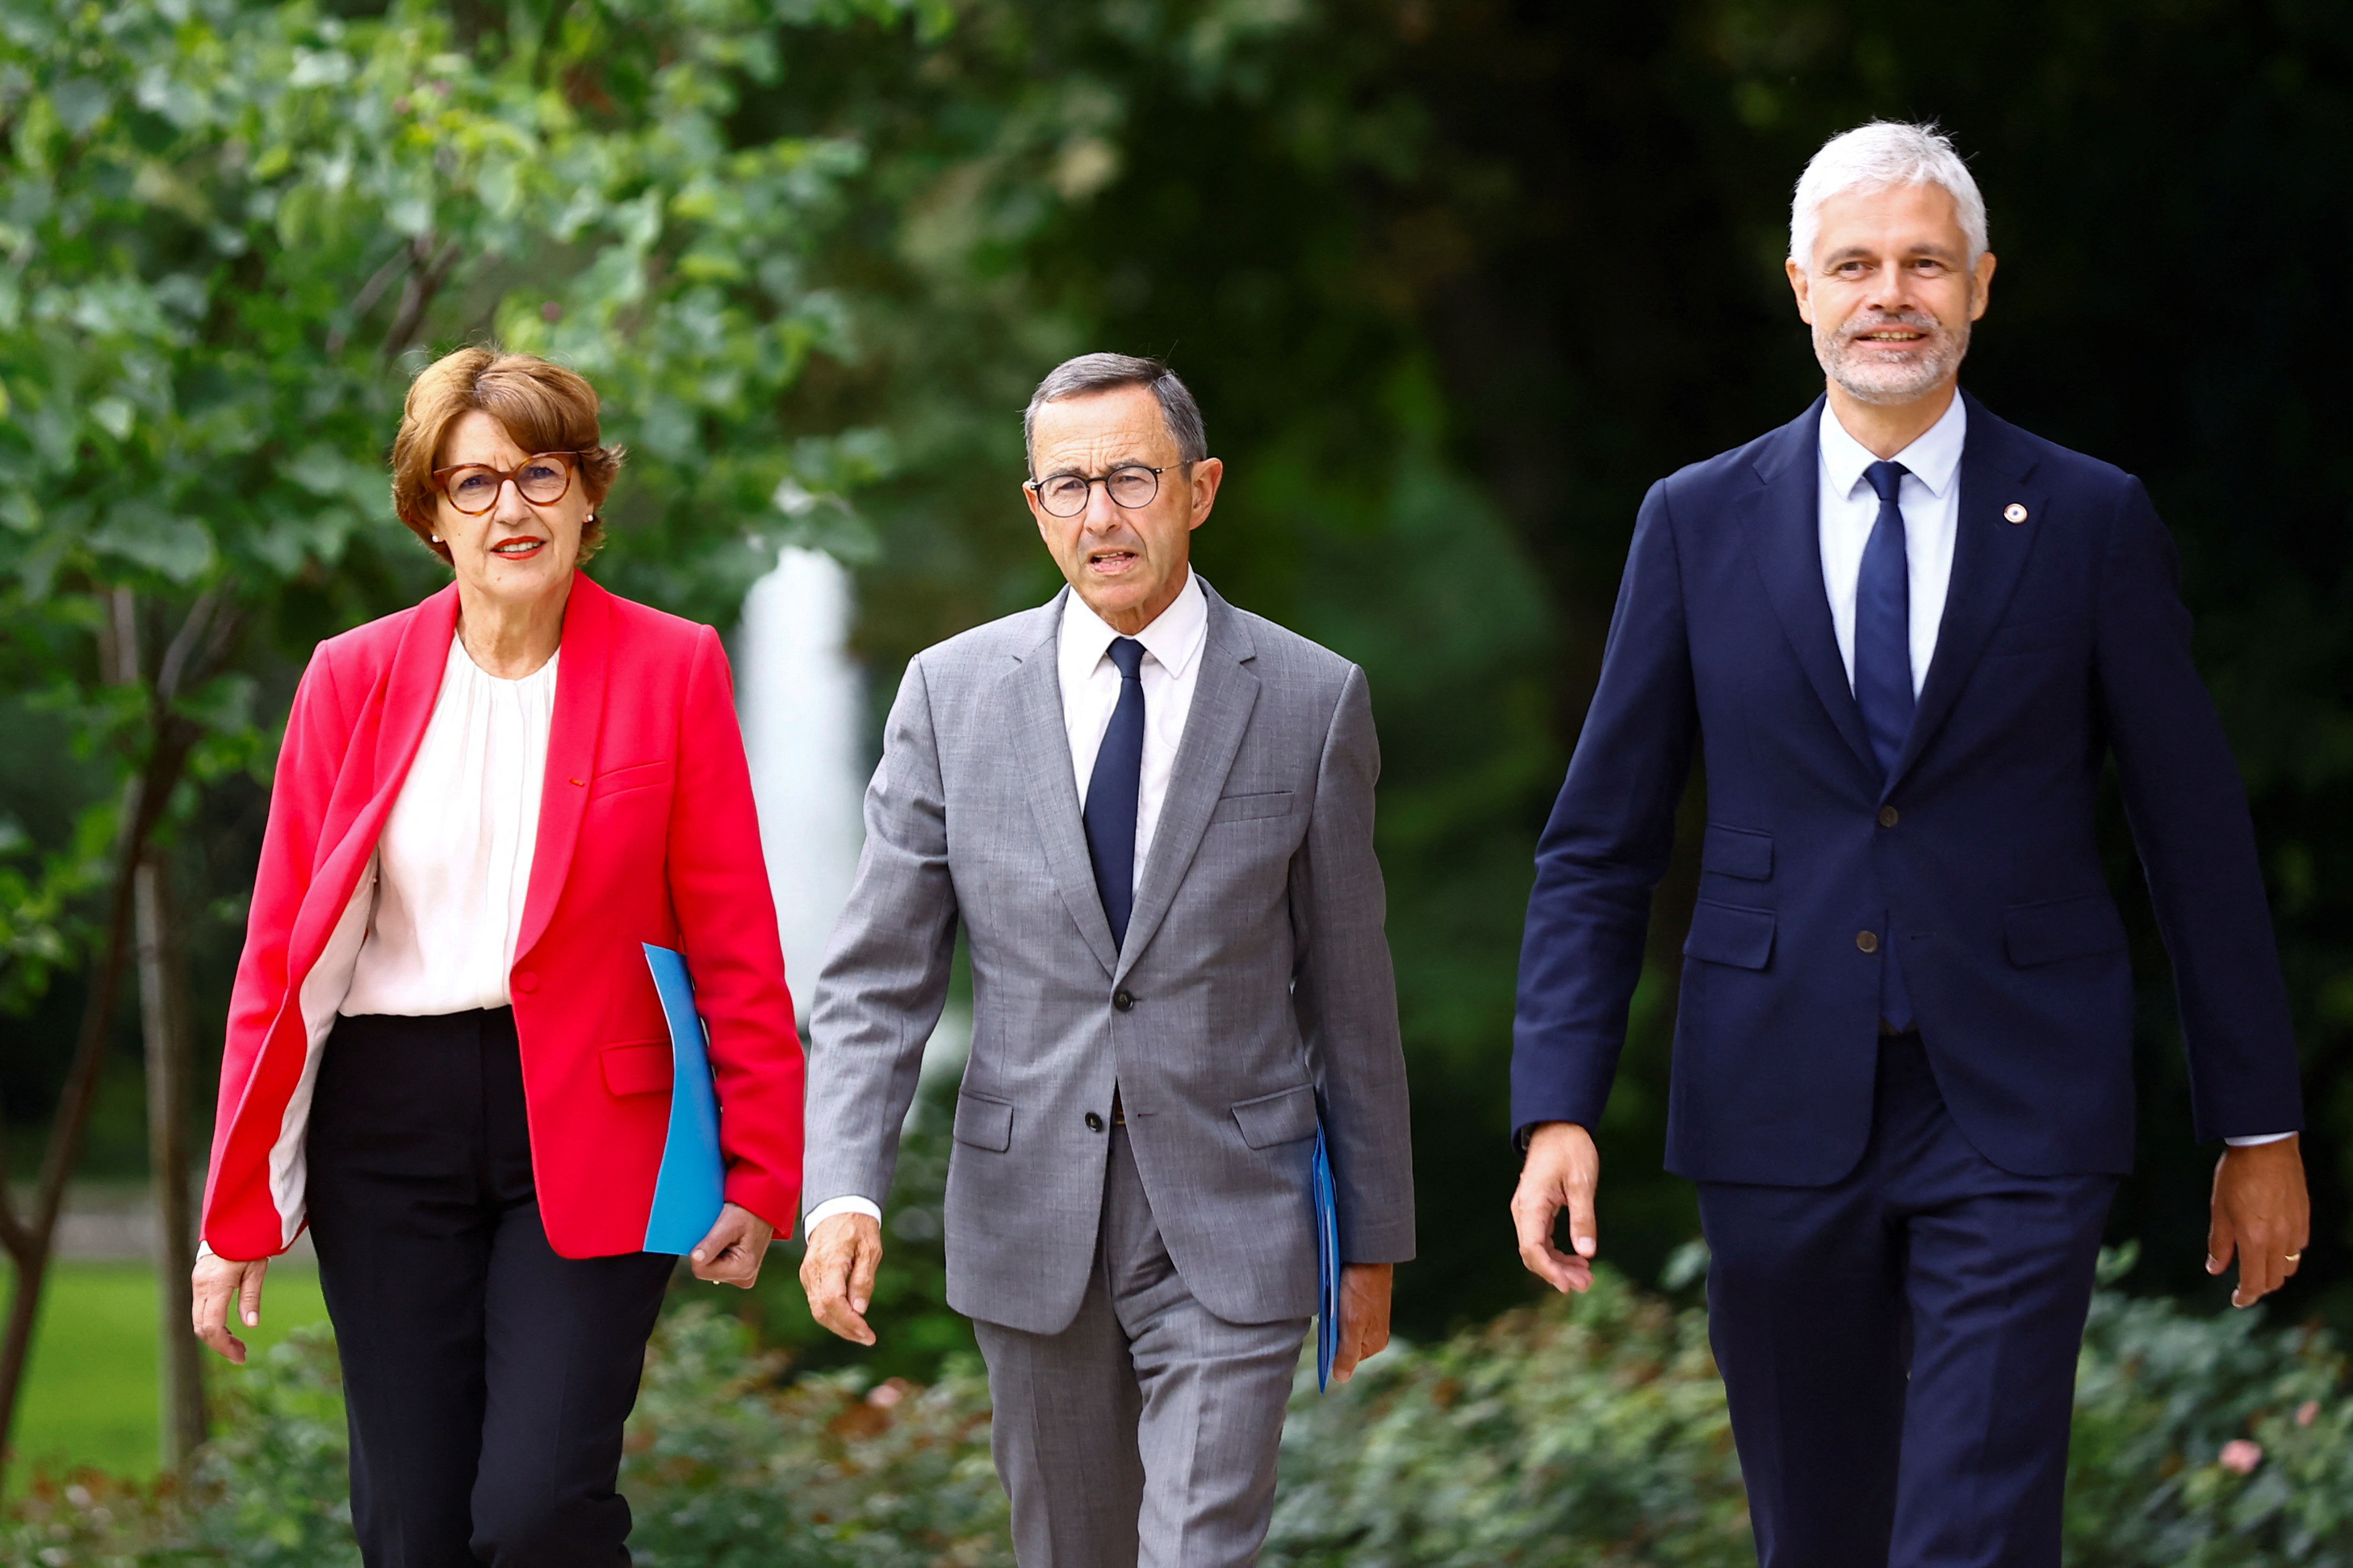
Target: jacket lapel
[[573, 729], [364, 796], [412, 686], [1989, 554], [1040, 747], [1782, 521], [1224, 693]]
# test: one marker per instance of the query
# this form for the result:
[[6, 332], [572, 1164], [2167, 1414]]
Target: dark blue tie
[[1109, 815], [1883, 676]]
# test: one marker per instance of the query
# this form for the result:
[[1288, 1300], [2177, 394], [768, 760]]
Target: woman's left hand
[[730, 1254]]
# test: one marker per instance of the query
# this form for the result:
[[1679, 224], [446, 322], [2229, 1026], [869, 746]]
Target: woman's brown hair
[[542, 407]]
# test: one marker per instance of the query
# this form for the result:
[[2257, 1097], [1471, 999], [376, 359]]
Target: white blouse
[[454, 864]]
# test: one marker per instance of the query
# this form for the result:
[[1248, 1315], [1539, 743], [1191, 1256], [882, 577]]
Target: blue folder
[[1327, 1264], [689, 1189]]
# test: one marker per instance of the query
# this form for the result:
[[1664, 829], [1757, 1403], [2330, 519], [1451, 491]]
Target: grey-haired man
[[1151, 813]]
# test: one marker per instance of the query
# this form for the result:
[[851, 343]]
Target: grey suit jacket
[[1255, 978]]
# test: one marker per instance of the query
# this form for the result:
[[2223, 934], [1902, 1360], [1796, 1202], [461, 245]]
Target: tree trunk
[[30, 1240], [164, 1014]]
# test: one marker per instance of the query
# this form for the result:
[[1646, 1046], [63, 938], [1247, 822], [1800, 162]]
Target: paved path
[[113, 1222]]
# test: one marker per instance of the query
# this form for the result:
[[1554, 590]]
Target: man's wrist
[[847, 1204]]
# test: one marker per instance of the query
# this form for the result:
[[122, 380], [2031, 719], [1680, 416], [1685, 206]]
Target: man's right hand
[[1562, 1170], [837, 1272]]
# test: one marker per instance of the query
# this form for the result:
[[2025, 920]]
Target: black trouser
[[486, 1378]]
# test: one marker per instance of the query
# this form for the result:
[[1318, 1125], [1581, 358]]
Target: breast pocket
[[1253, 807], [633, 776], [2037, 635]]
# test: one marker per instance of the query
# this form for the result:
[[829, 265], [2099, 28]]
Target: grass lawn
[[91, 1398]]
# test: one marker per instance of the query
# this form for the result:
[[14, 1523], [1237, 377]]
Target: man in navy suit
[[1905, 637]]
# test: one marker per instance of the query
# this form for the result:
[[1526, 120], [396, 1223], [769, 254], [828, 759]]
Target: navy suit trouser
[[1900, 1348]]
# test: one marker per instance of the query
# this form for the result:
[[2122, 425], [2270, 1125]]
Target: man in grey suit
[[1153, 814]]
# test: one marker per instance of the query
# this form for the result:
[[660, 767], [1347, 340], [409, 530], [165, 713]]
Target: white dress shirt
[[1089, 681], [1929, 497], [1172, 657], [454, 864]]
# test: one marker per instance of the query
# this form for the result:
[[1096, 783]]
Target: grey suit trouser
[[1142, 1435]]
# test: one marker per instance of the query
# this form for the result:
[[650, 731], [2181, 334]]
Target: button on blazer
[[647, 834]]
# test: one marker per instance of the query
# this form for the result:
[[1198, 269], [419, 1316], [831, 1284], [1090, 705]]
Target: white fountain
[[809, 735], [802, 702]]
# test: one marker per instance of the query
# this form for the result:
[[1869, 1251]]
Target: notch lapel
[[364, 797], [573, 730], [1041, 745], [1224, 694], [1989, 554], [411, 686], [1781, 520]]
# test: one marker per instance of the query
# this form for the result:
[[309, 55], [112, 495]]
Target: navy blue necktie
[[1109, 815], [1883, 675]]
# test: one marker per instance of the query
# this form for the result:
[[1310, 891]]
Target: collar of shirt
[[1174, 638], [1933, 458]]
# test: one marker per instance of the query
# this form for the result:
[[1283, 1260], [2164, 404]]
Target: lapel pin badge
[[2014, 512]]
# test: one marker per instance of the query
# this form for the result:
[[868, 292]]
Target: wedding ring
[[2293, 1256]]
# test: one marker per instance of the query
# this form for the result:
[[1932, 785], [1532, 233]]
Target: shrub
[[1592, 1434], [1590, 1431], [2206, 1442]]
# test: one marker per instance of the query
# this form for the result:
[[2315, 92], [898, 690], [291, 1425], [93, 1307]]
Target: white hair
[[1877, 157]]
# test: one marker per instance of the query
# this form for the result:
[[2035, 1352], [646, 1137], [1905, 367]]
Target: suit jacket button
[[1095, 1122], [1887, 816], [1867, 940], [526, 982], [1122, 1000]]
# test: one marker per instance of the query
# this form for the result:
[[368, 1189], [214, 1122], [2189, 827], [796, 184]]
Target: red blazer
[[647, 833]]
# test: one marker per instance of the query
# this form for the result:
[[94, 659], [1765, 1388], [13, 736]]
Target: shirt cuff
[[2250, 1142], [832, 1207]]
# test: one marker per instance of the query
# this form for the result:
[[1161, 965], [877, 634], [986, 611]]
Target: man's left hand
[[2261, 1213], [732, 1253], [1363, 1315]]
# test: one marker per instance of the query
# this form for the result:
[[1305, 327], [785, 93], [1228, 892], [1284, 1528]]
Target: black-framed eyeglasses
[[1131, 485], [541, 478]]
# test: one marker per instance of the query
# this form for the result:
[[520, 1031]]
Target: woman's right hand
[[219, 1281]]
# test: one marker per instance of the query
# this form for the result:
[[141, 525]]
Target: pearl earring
[[437, 539]]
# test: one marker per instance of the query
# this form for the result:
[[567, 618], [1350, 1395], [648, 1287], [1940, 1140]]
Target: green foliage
[[1595, 1434], [917, 1334], [227, 224], [2159, 1397], [728, 1470], [1586, 1431]]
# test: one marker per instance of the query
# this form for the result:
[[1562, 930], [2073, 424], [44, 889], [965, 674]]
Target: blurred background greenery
[[1454, 281]]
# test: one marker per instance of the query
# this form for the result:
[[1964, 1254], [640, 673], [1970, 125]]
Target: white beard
[[1868, 379]]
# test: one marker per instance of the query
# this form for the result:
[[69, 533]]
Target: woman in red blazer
[[445, 1049]]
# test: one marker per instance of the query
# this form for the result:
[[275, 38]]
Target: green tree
[[230, 228]]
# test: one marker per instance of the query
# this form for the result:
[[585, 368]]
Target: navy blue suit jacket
[[2064, 641]]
